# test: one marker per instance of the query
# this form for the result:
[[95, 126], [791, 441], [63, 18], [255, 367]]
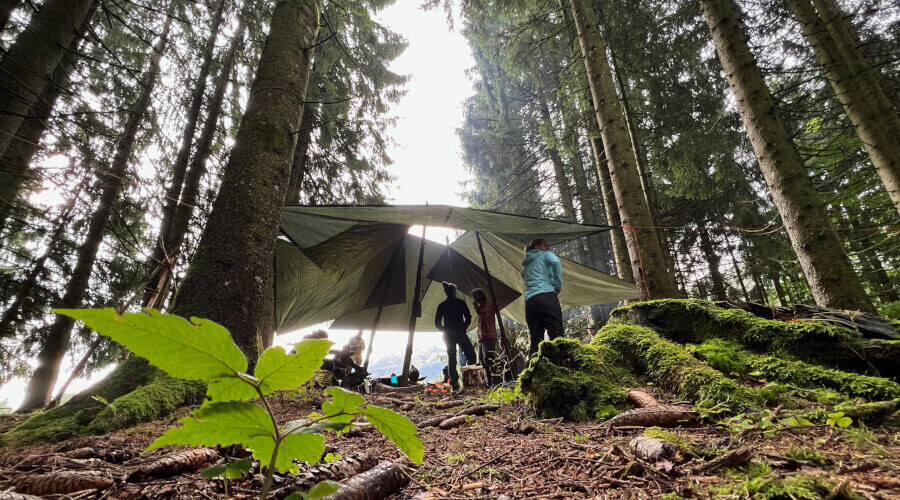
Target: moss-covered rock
[[575, 381], [672, 367], [695, 321], [730, 357]]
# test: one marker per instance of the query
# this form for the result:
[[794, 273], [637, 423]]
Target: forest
[[744, 156]]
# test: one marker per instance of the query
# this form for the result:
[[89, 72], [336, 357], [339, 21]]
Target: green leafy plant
[[321, 490], [233, 470], [838, 420], [804, 455], [202, 350]]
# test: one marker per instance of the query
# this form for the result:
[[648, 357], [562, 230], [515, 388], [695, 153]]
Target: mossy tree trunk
[[16, 159], [647, 259], [857, 88], [28, 65], [163, 246], [56, 342], [821, 255], [231, 271]]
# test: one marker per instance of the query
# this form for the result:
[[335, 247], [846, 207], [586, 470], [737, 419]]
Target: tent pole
[[381, 302], [416, 312], [487, 276]]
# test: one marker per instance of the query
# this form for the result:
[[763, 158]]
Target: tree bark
[[559, 169], [857, 88], [31, 60], [822, 257], [163, 248], [779, 290], [301, 157], [616, 235], [231, 271], [56, 343], [15, 161], [7, 7], [647, 259], [719, 291]]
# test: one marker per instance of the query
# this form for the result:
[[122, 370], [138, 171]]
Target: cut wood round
[[377, 483], [474, 377]]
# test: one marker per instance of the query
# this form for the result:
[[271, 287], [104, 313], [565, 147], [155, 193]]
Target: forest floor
[[504, 453]]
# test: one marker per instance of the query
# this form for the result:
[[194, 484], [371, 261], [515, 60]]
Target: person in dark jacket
[[453, 318], [487, 333], [542, 272]]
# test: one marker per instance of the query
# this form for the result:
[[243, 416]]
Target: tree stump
[[474, 376]]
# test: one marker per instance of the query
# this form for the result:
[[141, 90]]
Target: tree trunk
[[30, 62], [761, 294], [162, 248], [873, 269], [16, 160], [231, 271], [11, 314], [616, 235], [203, 150], [647, 259], [857, 88], [301, 157], [779, 290], [56, 343], [821, 255], [737, 269], [719, 291], [7, 7], [559, 170]]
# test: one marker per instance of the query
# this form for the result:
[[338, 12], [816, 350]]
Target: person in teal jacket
[[542, 272]]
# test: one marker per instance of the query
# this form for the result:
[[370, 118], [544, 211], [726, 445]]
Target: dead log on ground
[[658, 416], [433, 421], [61, 483], [174, 464], [452, 422], [378, 483], [655, 451], [733, 458], [334, 471], [642, 399]]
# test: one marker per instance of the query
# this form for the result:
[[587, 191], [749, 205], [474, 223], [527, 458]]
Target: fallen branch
[[378, 483], [334, 471], [733, 458], [659, 416], [61, 483], [174, 464], [642, 399]]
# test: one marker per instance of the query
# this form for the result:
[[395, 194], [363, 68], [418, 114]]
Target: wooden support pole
[[416, 312], [487, 276], [390, 277]]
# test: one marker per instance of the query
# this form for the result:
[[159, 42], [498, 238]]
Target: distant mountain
[[430, 362]]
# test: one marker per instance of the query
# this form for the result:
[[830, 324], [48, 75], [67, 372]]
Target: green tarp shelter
[[344, 263]]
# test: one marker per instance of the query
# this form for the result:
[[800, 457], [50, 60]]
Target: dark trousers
[[543, 314], [487, 353], [453, 339]]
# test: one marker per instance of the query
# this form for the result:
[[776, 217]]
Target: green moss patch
[[730, 357], [575, 381], [672, 367], [696, 321]]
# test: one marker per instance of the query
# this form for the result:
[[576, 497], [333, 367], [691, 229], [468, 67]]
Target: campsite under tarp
[[342, 263]]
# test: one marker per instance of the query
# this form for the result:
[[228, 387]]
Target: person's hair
[[318, 334], [534, 244], [479, 294], [449, 288]]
